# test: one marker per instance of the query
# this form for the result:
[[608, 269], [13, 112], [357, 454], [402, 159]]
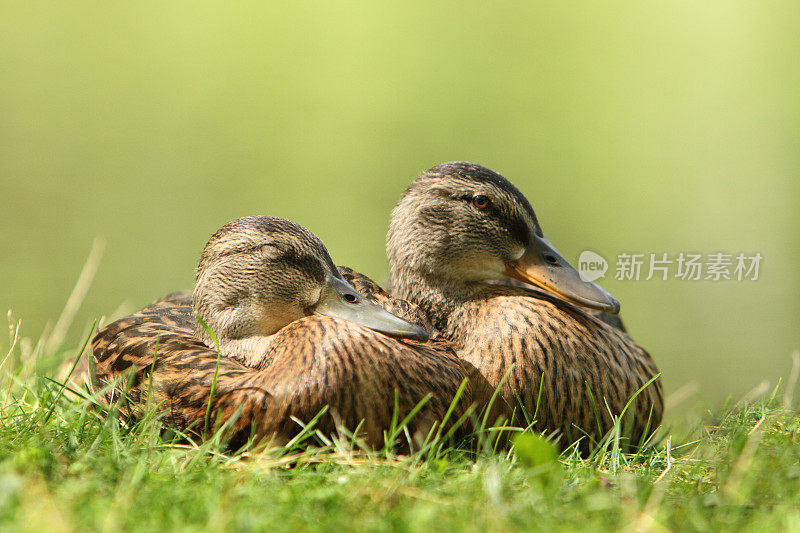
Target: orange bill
[[541, 265]]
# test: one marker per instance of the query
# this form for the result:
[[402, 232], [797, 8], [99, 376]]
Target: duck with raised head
[[457, 236], [294, 337]]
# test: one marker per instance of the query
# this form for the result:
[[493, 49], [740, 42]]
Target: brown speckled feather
[[538, 339], [317, 361]]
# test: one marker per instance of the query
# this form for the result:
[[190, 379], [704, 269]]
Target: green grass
[[67, 463]]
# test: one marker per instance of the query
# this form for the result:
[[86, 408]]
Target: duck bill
[[541, 265], [340, 300]]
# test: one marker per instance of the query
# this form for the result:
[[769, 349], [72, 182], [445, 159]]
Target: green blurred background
[[637, 127]]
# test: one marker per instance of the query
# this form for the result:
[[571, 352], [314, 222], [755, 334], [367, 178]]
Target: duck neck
[[252, 350], [437, 296]]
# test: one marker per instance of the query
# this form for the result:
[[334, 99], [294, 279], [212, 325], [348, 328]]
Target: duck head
[[258, 273], [460, 222]]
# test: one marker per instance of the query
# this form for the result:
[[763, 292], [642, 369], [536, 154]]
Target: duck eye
[[350, 298], [480, 201]]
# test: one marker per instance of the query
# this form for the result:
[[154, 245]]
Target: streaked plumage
[[444, 245], [312, 362]]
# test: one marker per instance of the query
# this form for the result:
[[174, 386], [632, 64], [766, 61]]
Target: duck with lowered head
[[294, 336]]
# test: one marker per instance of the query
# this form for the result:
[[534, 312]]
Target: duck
[[275, 336], [465, 245]]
